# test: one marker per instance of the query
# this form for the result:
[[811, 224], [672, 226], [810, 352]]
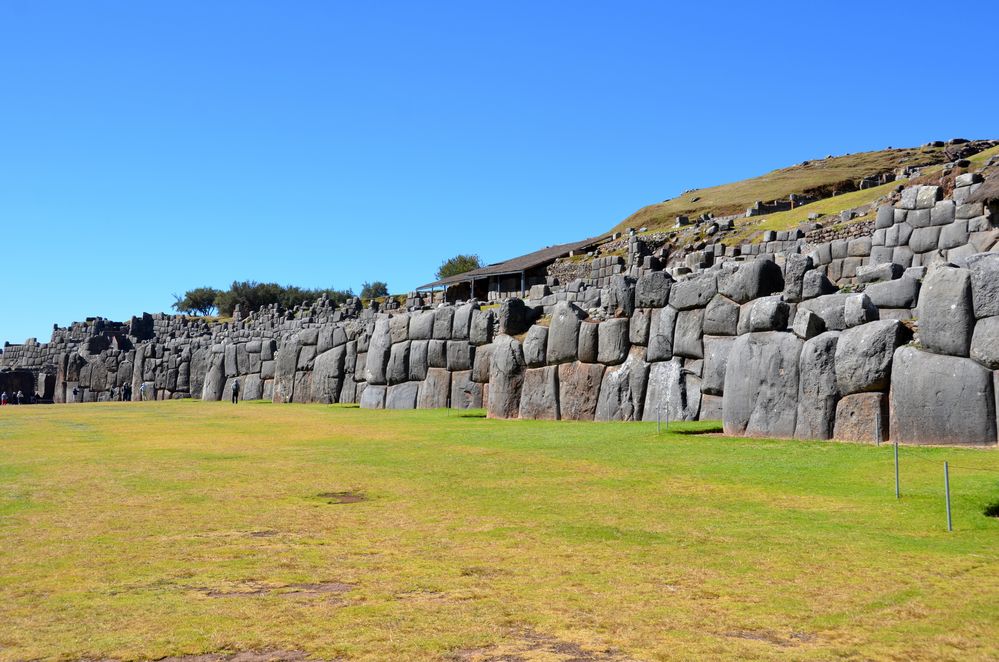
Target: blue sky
[[152, 147]]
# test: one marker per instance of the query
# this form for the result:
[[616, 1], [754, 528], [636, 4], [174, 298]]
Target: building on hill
[[510, 278]]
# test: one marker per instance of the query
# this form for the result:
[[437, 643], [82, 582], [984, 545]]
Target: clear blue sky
[[150, 147]]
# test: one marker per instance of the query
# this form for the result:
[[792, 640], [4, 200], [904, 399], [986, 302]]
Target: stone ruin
[[890, 335]]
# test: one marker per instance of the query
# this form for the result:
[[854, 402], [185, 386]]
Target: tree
[[458, 264], [200, 300], [374, 290]]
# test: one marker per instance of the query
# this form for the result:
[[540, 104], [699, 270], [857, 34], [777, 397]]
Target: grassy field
[[178, 528]]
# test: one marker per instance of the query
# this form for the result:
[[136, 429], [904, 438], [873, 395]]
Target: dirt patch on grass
[[346, 496], [526, 645], [251, 589], [794, 639], [270, 655]]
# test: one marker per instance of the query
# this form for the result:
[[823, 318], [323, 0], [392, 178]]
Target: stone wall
[[768, 342]]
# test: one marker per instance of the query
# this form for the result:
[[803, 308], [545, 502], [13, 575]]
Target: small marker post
[[659, 417], [950, 523], [897, 495]]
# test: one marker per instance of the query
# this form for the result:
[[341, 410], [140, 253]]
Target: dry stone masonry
[[894, 334]]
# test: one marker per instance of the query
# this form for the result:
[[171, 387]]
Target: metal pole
[[950, 523], [897, 496], [877, 432], [659, 416]]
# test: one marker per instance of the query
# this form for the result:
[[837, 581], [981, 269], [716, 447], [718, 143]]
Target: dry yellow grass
[[138, 531]]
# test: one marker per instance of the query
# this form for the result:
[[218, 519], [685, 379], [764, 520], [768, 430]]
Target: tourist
[[3, 398], [142, 392], [20, 397], [76, 394], [235, 391], [127, 393]]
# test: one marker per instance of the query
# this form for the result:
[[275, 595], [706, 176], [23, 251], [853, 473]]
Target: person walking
[[3, 398], [20, 397], [235, 391], [142, 392]]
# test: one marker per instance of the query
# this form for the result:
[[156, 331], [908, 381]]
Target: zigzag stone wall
[[765, 342]]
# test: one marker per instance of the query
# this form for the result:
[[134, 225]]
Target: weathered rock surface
[[817, 387], [937, 399], [539, 395], [622, 390], [864, 356], [761, 384], [946, 316], [506, 377], [579, 387]]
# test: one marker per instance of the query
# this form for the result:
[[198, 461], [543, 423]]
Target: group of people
[[123, 394], [17, 398]]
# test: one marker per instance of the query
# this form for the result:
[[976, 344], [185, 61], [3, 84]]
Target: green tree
[[374, 290], [200, 301], [458, 264]]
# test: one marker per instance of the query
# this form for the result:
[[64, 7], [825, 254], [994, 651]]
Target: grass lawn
[[177, 528]]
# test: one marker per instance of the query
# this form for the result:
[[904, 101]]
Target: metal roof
[[518, 264]]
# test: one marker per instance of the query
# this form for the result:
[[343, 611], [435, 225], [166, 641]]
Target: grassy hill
[[138, 531], [823, 177]]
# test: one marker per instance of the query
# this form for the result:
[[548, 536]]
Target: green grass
[[825, 175], [144, 530], [787, 220]]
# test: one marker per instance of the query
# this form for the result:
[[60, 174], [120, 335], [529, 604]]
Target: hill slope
[[821, 178]]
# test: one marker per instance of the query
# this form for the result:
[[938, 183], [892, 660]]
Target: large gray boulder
[[397, 370], [761, 385], [481, 364], [434, 390], [398, 328], [831, 308], [652, 290], [588, 342], [373, 397], [443, 318], [421, 325], [721, 317], [535, 346], [579, 387], [938, 399], [751, 280], [465, 394], [864, 355], [807, 324], [673, 392], [459, 355], [769, 314], [795, 268], [687, 338], [612, 341], [694, 292], [985, 343], [462, 321], [539, 395], [622, 390], [563, 333], [481, 330], [716, 350], [901, 293], [858, 310], [816, 284], [661, 334], [817, 387], [327, 375], [945, 312], [619, 296], [418, 362], [984, 268], [285, 365], [402, 396], [514, 317], [379, 348], [506, 377], [638, 328]]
